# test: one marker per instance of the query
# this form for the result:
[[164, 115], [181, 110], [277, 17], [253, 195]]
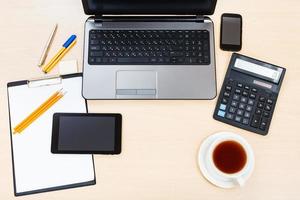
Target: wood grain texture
[[161, 138]]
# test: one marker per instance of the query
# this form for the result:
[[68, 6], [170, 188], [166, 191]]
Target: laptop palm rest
[[136, 84]]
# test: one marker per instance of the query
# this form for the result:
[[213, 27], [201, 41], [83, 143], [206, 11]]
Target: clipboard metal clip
[[40, 82]]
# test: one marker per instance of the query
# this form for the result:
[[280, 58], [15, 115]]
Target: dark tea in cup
[[229, 157]]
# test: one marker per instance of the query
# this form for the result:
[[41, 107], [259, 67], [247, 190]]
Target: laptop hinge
[[199, 18], [98, 18]]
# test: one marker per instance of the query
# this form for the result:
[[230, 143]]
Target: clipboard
[[35, 168]]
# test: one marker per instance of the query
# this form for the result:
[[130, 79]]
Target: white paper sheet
[[35, 167]]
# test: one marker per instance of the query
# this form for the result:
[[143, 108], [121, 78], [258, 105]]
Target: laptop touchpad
[[139, 83]]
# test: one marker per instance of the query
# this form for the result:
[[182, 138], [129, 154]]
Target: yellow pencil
[[65, 48], [36, 112], [39, 111], [50, 67]]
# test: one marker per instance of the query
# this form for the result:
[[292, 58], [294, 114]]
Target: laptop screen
[[98, 7]]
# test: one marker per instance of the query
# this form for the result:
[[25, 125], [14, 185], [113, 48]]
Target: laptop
[[149, 49]]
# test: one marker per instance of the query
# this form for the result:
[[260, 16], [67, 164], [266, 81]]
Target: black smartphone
[[231, 32]]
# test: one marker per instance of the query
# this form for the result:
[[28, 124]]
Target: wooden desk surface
[[161, 138]]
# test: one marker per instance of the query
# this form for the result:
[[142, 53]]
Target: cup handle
[[239, 181]]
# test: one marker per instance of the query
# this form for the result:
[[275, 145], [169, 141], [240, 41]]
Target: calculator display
[[265, 71]]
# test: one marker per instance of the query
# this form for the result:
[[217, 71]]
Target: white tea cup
[[236, 177]]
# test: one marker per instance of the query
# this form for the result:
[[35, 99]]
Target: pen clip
[[39, 82]]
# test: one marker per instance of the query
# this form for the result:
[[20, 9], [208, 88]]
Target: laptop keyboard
[[149, 47]]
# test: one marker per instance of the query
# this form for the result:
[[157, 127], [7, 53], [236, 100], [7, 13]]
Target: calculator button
[[247, 115], [251, 102], [255, 121], [244, 100], [270, 101], [249, 108], [239, 112], [252, 96], [224, 100], [226, 94], [254, 90], [268, 107], [236, 97], [245, 121], [234, 103], [258, 111], [240, 85], [245, 94], [221, 113], [260, 105], [237, 119], [266, 114], [262, 99], [263, 124], [247, 87], [228, 88], [242, 106], [222, 107], [229, 116], [238, 91], [232, 110]]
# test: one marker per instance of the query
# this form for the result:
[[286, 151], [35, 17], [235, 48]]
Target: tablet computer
[[86, 133]]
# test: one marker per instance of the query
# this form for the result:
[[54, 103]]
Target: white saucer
[[212, 176]]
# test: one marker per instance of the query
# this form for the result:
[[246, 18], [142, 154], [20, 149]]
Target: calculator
[[249, 93]]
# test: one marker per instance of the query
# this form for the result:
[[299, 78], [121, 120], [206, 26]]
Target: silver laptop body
[[149, 81]]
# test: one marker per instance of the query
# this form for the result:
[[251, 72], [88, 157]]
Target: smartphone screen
[[231, 32]]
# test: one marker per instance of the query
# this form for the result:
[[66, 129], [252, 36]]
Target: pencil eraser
[[68, 67]]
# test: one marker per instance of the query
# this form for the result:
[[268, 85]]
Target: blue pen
[[65, 47]]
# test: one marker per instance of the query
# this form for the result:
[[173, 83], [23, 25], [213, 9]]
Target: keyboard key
[[95, 47], [247, 87], [229, 116], [221, 113], [222, 107], [255, 121], [96, 53], [133, 60]]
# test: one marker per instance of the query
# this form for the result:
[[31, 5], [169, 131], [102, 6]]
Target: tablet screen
[[86, 133]]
